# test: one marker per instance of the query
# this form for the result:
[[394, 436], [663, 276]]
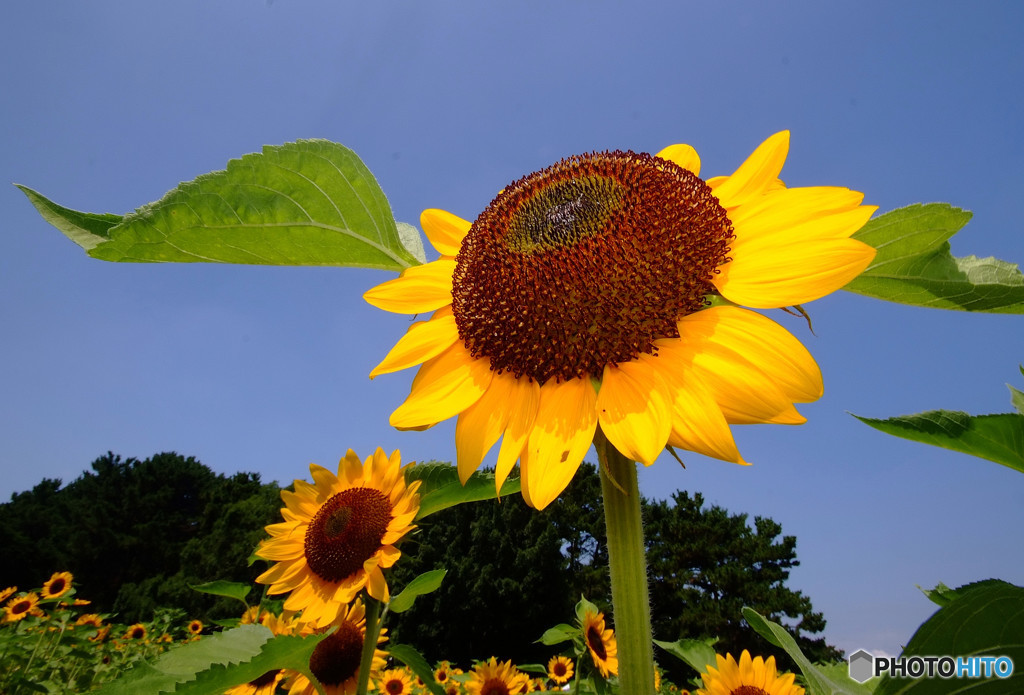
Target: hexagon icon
[[861, 666]]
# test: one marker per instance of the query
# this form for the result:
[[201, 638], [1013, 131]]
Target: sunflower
[[90, 620], [195, 627], [560, 669], [57, 585], [335, 660], [492, 678], [396, 681], [578, 298], [600, 643], [443, 672], [748, 677], [136, 632], [7, 593], [21, 607], [338, 534]]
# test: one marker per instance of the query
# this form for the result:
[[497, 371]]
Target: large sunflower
[[338, 534], [601, 644], [748, 677], [21, 607], [493, 678], [578, 299]]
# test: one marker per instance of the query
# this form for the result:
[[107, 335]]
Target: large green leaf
[[998, 438], [422, 584], [418, 664], [440, 487], [283, 651], [221, 587], [913, 264], [986, 618], [311, 202], [697, 654]]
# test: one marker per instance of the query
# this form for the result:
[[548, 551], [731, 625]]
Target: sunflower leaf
[[558, 634], [440, 487], [310, 202], [818, 683], [220, 587], [415, 661], [422, 584], [984, 618], [998, 438], [913, 264], [697, 654]]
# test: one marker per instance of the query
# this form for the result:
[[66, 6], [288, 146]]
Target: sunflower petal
[[560, 438], [526, 402], [444, 387], [759, 173], [684, 156], [444, 230], [634, 410], [789, 206], [418, 290], [480, 425]]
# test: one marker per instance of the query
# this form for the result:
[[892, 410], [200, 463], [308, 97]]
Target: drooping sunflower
[[57, 585], [338, 534], [136, 632], [579, 298], [493, 678], [560, 669], [748, 677], [20, 607], [7, 593], [601, 644], [90, 620], [396, 681], [335, 660]]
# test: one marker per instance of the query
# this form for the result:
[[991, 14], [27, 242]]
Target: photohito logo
[[864, 666]]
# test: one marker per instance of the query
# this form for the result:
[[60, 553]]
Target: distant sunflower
[[338, 534], [396, 681], [57, 585], [335, 660], [136, 632], [748, 677], [493, 678], [579, 298], [20, 607], [443, 672], [600, 643], [560, 669], [7, 593], [195, 627], [89, 620]]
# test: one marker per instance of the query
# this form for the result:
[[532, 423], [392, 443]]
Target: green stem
[[373, 623], [630, 602]]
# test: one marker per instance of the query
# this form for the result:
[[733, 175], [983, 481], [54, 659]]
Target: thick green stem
[[630, 602], [373, 624]]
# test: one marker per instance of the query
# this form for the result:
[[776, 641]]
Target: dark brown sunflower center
[[587, 263], [559, 670], [346, 532], [394, 687], [596, 643], [336, 658], [20, 607], [494, 686], [748, 690], [57, 587]]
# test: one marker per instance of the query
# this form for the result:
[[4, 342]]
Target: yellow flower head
[[57, 585], [7, 593], [338, 534], [397, 681], [578, 299], [443, 672], [195, 627], [560, 669], [90, 620], [493, 678], [600, 643], [20, 607], [748, 677], [136, 632]]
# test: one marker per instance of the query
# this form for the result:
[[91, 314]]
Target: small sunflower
[[748, 677], [338, 534], [396, 681], [57, 585], [335, 660], [195, 627], [578, 299], [600, 643], [90, 620], [560, 669], [7, 593], [492, 678], [443, 672], [20, 607], [136, 632]]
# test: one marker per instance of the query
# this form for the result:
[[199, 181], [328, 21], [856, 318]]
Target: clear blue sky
[[107, 105]]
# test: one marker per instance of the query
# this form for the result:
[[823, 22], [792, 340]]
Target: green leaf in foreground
[[697, 654], [311, 202], [914, 265], [818, 682], [986, 618], [220, 587], [283, 651], [998, 438], [415, 661], [423, 584], [440, 487]]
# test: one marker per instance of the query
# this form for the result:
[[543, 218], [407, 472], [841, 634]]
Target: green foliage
[[423, 584], [914, 265], [985, 618], [440, 487], [697, 654], [415, 661], [219, 587], [311, 202]]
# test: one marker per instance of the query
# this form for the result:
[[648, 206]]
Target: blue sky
[[107, 105]]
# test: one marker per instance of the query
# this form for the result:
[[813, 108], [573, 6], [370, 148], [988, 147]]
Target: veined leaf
[[558, 634], [311, 202], [697, 654], [914, 265], [220, 587], [422, 584], [283, 651], [998, 438], [415, 661], [441, 488]]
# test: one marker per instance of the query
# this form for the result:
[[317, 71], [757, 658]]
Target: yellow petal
[[633, 408], [418, 290], [444, 230], [759, 173], [423, 340], [792, 274], [324, 479], [444, 387], [376, 585], [789, 206], [561, 437], [774, 228], [526, 400], [758, 340], [480, 425], [684, 156]]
